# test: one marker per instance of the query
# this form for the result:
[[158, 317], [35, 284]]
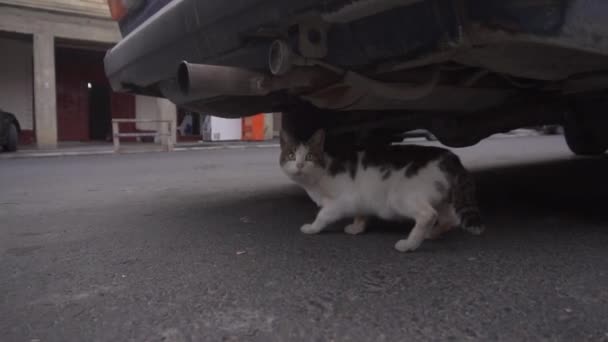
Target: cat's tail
[[463, 194]]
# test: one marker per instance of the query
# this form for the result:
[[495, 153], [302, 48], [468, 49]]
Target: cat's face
[[302, 159]]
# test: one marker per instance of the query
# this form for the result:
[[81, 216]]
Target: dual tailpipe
[[233, 81], [324, 85]]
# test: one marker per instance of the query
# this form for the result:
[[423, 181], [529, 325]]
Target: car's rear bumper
[[151, 52], [239, 33], [196, 31]]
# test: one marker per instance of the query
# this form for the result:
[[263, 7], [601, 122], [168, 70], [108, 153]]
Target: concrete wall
[[97, 8], [152, 108], [16, 80], [168, 111], [268, 126], [47, 26], [146, 108], [276, 124], [58, 25]]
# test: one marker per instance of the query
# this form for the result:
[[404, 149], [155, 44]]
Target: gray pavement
[[205, 246]]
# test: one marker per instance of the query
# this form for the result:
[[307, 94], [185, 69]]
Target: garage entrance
[[85, 101]]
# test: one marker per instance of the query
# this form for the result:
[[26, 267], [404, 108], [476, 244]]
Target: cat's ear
[[286, 139], [317, 140]]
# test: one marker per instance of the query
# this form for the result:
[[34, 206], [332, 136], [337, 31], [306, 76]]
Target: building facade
[[52, 76]]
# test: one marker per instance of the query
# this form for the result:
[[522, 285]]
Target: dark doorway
[[85, 102], [100, 115]]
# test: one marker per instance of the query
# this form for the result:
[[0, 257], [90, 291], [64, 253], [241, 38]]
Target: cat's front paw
[[406, 245], [354, 228], [475, 230], [309, 229]]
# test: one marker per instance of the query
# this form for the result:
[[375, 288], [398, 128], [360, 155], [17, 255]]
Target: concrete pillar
[[277, 124], [168, 111], [268, 126], [45, 100], [146, 108]]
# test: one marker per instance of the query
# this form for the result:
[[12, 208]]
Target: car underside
[[369, 70]]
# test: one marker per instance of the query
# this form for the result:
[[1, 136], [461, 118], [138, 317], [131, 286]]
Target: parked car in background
[[369, 70], [9, 131], [419, 133], [551, 129]]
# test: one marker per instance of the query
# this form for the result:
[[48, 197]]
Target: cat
[[427, 184]]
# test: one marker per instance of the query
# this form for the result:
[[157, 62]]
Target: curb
[[21, 155]]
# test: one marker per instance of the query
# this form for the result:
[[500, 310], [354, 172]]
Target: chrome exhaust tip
[[222, 80]]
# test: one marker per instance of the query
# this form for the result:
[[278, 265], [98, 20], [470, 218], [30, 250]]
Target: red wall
[[74, 69], [123, 106], [27, 137]]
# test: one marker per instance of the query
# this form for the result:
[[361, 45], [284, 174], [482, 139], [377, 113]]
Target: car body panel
[[549, 41]]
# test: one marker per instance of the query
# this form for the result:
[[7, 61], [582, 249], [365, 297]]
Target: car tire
[[12, 138], [549, 130], [585, 134]]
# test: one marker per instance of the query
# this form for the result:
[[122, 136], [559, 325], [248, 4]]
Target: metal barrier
[[163, 134]]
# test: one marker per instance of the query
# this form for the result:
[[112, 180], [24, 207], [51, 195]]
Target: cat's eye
[[310, 157], [291, 156]]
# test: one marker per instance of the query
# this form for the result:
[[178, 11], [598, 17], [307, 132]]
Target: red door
[[77, 71]]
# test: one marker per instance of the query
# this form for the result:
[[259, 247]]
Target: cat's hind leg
[[425, 216], [328, 214], [446, 221], [357, 227]]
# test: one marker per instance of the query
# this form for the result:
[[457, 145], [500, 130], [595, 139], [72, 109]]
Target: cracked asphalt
[[205, 246]]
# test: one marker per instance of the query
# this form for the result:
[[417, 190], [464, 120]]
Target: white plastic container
[[220, 129]]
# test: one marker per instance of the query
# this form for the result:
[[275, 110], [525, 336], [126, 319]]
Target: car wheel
[[585, 134], [12, 138], [550, 129]]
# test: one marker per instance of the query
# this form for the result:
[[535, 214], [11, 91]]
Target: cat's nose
[[300, 165]]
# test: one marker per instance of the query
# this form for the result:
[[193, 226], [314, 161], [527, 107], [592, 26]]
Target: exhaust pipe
[[224, 80]]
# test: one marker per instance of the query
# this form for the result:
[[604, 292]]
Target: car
[[419, 133], [368, 70], [9, 131], [548, 129]]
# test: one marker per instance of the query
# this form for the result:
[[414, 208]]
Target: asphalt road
[[205, 246]]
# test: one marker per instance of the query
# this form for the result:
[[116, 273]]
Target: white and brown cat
[[427, 184]]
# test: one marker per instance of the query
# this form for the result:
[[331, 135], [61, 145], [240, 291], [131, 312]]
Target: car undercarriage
[[371, 69]]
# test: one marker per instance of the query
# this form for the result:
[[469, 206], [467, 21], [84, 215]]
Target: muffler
[[221, 80]]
